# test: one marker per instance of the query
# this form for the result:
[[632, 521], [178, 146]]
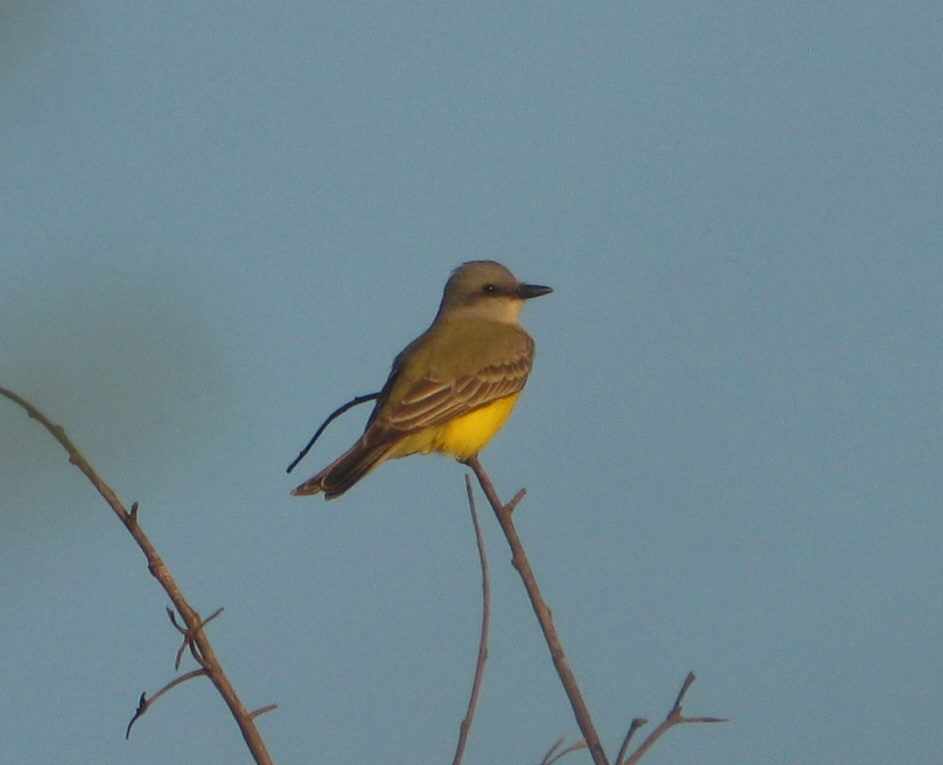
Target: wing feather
[[430, 402]]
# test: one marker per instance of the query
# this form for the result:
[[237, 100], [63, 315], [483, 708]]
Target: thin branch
[[553, 755], [145, 703], [155, 564], [674, 717], [188, 637], [548, 757], [544, 616], [262, 710], [485, 618], [636, 723]]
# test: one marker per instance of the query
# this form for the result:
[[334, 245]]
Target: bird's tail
[[346, 470]]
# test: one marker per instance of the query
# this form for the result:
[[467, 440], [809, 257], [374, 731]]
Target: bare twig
[[262, 710], [145, 703], [210, 664], [673, 718], [636, 723], [483, 639], [549, 756], [188, 636], [553, 755], [544, 616]]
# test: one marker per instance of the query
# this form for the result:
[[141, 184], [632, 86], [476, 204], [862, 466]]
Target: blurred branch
[[557, 753], [194, 636], [636, 723], [485, 619]]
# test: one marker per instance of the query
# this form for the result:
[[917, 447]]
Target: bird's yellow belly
[[462, 436]]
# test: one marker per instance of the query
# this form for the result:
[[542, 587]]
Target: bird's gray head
[[487, 290]]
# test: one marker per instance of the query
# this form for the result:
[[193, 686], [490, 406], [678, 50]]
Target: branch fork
[[192, 629], [590, 740]]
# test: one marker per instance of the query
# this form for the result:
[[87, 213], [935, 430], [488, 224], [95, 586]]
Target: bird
[[453, 387]]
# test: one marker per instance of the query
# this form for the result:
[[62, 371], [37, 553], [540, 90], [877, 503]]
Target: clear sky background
[[220, 221]]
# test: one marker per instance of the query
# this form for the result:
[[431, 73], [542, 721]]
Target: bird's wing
[[430, 402]]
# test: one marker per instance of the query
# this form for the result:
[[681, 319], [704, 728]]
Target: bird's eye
[[489, 289]]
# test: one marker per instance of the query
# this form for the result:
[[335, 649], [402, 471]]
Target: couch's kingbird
[[453, 387]]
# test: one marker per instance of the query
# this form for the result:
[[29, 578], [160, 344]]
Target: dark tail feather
[[345, 471]]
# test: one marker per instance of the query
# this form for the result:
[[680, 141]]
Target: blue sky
[[220, 222]]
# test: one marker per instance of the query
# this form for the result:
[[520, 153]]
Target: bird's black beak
[[528, 291]]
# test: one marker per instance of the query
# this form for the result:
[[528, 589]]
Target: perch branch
[[544, 616]]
